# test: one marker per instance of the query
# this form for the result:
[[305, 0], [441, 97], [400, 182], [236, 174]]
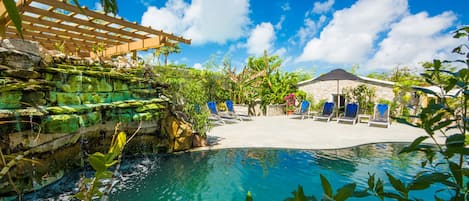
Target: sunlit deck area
[[288, 132]]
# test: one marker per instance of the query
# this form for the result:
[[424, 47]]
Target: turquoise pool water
[[270, 174]]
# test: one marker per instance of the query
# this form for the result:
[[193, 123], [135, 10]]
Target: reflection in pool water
[[270, 174]]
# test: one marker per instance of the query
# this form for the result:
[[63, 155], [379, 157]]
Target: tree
[[166, 50], [157, 55]]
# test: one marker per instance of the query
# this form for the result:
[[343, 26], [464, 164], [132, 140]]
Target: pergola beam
[[83, 28], [75, 20], [133, 46], [72, 28], [65, 6]]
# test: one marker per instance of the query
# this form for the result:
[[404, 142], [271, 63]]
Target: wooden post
[[134, 55]]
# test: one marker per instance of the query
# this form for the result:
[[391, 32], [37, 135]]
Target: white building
[[329, 85]]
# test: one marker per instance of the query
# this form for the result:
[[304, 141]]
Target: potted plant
[[290, 103]]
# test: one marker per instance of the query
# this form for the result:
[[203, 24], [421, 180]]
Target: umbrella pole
[[338, 101]]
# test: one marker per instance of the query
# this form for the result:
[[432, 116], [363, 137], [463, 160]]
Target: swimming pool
[[270, 174]]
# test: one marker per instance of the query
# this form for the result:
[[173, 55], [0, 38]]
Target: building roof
[[340, 74], [80, 29], [440, 91]]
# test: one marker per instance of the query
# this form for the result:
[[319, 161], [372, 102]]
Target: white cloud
[[197, 66], [416, 38], [286, 7], [261, 38], [278, 26], [349, 36], [204, 21], [280, 52], [323, 7], [309, 29]]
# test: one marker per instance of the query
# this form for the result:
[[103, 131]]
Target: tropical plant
[[361, 94], [290, 102], [166, 50], [89, 188]]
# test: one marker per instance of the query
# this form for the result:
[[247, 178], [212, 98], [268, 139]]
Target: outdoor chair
[[214, 116], [327, 112], [351, 113], [218, 117], [231, 111], [304, 109], [380, 116]]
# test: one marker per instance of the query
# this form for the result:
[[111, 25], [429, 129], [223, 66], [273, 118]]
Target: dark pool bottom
[[270, 174]]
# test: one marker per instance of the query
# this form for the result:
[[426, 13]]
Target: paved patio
[[288, 132]]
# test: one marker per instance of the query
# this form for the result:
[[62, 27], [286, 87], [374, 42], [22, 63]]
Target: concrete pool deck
[[294, 133]]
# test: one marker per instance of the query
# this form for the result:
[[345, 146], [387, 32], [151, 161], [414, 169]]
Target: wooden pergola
[[52, 22]]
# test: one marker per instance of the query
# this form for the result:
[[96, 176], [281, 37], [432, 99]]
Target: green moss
[[150, 107], [10, 99], [61, 124], [70, 109], [33, 98], [90, 119], [147, 116], [86, 98], [120, 86], [49, 77], [103, 86], [52, 98], [68, 99]]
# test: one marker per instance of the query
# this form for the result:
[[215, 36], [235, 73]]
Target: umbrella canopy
[[337, 74]]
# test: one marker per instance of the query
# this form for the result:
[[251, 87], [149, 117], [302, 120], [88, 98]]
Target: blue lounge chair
[[231, 111], [351, 113], [327, 112], [214, 116], [380, 116], [304, 109]]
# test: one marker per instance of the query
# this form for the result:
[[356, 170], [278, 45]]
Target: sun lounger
[[380, 116], [351, 113], [232, 112], [218, 117], [327, 112], [304, 109]]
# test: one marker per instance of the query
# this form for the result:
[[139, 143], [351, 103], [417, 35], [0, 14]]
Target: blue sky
[[309, 35]]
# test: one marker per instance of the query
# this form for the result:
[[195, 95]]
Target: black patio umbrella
[[337, 74]]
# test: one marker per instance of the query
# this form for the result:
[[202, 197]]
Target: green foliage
[[363, 95], [276, 87], [14, 15], [166, 50], [89, 187], [299, 195], [190, 89], [249, 196], [445, 116]]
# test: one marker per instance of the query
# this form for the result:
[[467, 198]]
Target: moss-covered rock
[[146, 116], [150, 107], [90, 119], [33, 98], [68, 99], [120, 86], [52, 98], [63, 123], [103, 86], [23, 74], [10, 99], [74, 84]]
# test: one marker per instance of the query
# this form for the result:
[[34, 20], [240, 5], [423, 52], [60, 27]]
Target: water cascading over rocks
[[57, 109]]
